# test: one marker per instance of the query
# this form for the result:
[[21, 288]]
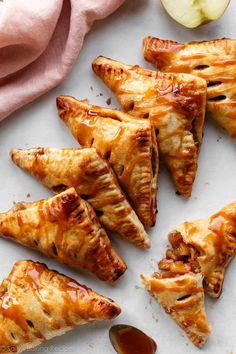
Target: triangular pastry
[[182, 297], [206, 246], [128, 144], [93, 179], [37, 304], [214, 61], [175, 105], [66, 228]]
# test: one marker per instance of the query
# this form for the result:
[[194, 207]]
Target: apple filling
[[180, 259]]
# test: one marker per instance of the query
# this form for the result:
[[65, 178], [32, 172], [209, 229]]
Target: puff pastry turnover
[[128, 144], [93, 180], [215, 61], [37, 304], [175, 105], [64, 227], [183, 298], [206, 246]]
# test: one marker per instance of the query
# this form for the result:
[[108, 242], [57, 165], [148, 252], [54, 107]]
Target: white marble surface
[[120, 37]]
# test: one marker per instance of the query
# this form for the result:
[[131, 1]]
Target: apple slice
[[194, 13]]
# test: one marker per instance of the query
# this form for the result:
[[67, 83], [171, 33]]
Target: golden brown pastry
[[128, 144], [182, 297], [37, 304], [206, 246], [93, 180], [175, 105], [214, 61], [66, 228]]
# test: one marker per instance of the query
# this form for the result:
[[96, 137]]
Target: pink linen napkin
[[39, 42]]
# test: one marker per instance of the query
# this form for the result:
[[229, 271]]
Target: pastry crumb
[[108, 101], [100, 94], [91, 88], [220, 137], [28, 195], [85, 100], [154, 317], [137, 287]]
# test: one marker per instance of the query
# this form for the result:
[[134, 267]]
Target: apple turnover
[[204, 246], [93, 179], [64, 227], [37, 304], [182, 297], [128, 144], [214, 61], [175, 105]]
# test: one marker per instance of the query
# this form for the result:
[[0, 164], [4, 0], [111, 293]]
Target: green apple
[[194, 13]]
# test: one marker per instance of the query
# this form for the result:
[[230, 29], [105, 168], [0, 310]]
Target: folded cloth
[[39, 42]]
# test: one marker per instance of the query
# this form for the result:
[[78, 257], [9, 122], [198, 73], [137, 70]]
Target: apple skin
[[202, 15]]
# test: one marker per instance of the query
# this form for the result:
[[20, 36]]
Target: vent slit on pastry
[[127, 143], [37, 304], [174, 104], [99, 213], [217, 98], [185, 297], [54, 249], [30, 323], [214, 83], [94, 181], [220, 57], [201, 67], [66, 228]]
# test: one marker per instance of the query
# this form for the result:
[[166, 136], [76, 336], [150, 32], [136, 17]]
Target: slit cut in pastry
[[214, 61], [175, 105], [204, 246], [128, 144], [182, 297], [64, 227], [37, 304], [93, 179]]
